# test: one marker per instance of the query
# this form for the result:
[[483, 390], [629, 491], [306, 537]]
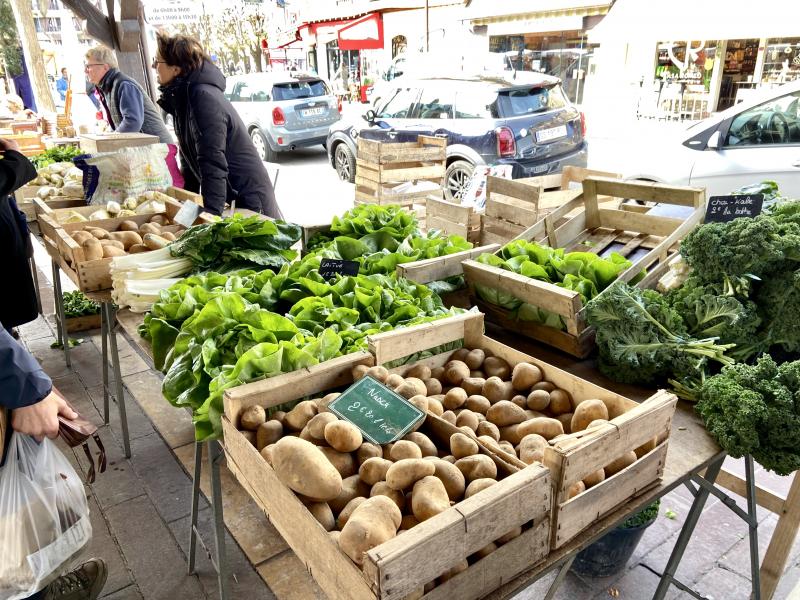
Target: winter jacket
[[20, 306], [217, 157], [21, 378], [129, 108]]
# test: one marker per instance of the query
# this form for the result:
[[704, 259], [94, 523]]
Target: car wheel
[[457, 178], [344, 162], [262, 147]]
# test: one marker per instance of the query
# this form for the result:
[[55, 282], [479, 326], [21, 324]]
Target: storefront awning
[[686, 20], [365, 33], [486, 12]]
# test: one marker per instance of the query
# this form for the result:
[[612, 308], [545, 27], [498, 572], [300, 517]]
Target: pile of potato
[[129, 238]]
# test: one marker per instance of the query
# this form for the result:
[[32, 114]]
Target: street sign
[[721, 209], [382, 415], [329, 267], [172, 13]]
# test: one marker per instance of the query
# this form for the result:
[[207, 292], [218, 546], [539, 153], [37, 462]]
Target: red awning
[[365, 33]]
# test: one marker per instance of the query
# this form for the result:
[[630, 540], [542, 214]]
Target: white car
[[748, 143]]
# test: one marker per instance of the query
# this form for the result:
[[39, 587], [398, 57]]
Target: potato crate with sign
[[415, 558], [649, 241]]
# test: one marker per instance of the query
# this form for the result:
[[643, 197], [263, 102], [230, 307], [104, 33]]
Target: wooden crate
[[30, 144], [453, 219], [406, 563], [94, 275], [93, 143], [84, 323], [381, 166], [644, 428], [593, 229]]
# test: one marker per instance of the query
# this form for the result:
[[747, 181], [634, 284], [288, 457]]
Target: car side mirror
[[713, 141], [369, 116]]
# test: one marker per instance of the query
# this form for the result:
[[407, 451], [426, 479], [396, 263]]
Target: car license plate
[[313, 112], [545, 135]]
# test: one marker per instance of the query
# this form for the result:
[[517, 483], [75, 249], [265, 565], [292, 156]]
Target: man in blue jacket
[[27, 390]]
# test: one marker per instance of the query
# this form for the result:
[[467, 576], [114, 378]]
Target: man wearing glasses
[[128, 108]]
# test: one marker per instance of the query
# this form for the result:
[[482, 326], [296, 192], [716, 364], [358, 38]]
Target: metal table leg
[[562, 573], [119, 394], [104, 327], [194, 533], [35, 276], [61, 327]]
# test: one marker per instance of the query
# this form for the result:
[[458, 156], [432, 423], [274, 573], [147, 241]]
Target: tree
[[23, 14], [10, 52]]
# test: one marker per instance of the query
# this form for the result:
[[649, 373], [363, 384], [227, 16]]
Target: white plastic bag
[[44, 517]]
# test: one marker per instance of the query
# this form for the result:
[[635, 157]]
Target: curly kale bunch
[[642, 339], [755, 409], [779, 300]]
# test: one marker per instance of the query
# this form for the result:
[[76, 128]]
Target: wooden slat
[[780, 546], [508, 187], [649, 191], [502, 228], [632, 245], [448, 227], [641, 223], [598, 241], [764, 497], [455, 213], [83, 323], [511, 209], [572, 174], [436, 269]]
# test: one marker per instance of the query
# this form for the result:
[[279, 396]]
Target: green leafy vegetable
[[78, 305], [56, 154]]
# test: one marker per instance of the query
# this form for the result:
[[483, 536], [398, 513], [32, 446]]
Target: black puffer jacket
[[217, 157]]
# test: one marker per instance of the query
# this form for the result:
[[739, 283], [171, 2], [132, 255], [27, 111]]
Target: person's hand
[[41, 419], [8, 145]]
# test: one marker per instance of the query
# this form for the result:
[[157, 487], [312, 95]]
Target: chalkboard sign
[[328, 267], [383, 416], [727, 208]]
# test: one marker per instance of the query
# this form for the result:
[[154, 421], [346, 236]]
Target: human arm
[[211, 123], [15, 169], [131, 107]]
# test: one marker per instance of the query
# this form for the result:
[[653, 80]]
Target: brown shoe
[[84, 583]]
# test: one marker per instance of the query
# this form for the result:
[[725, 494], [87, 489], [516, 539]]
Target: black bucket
[[609, 555]]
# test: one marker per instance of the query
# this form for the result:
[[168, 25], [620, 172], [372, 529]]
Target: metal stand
[[35, 277], [61, 323], [109, 342], [705, 486], [562, 573], [220, 564]]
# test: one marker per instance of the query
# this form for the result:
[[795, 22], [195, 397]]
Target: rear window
[[296, 90], [528, 101]]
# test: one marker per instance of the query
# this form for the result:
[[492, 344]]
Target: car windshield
[[526, 101], [296, 90]]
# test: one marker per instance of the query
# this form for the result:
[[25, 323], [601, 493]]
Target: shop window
[[782, 61], [400, 104], [774, 122], [399, 44], [436, 104]]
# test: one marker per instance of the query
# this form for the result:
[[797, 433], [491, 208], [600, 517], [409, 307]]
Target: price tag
[[722, 209], [328, 267], [187, 214], [382, 415]]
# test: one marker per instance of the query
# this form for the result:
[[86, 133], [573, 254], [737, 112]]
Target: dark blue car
[[521, 119]]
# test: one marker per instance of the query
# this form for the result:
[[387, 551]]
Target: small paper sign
[[328, 267], [721, 209], [187, 214], [382, 415]]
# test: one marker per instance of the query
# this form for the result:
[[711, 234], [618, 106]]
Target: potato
[[467, 418], [623, 462], [373, 522], [477, 403], [374, 470], [448, 458], [495, 389], [112, 251], [511, 433], [462, 445], [418, 384], [545, 427], [496, 367], [505, 413], [408, 522], [566, 421], [520, 401], [347, 511], [478, 485], [405, 449], [576, 488], [422, 372], [114, 243], [159, 220], [544, 385], [382, 489], [266, 453], [451, 477], [485, 551], [586, 412], [524, 376], [352, 487], [514, 533], [454, 398], [474, 360], [250, 436], [279, 416], [304, 468], [268, 433], [473, 385], [300, 415], [343, 436], [596, 423], [97, 232], [138, 248], [593, 479], [153, 241], [646, 447], [82, 236], [455, 372], [507, 447], [531, 448], [252, 417], [460, 354], [368, 450], [334, 535], [462, 565], [477, 375], [432, 386], [538, 400], [305, 434], [150, 228], [344, 462], [450, 417], [359, 371], [488, 428], [435, 406], [477, 466], [615, 407], [379, 372], [322, 513], [437, 373], [129, 238], [129, 226], [560, 402], [405, 473], [408, 390], [92, 249], [169, 236], [426, 446], [429, 498]]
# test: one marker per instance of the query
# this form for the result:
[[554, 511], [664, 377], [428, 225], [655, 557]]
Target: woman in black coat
[[217, 157]]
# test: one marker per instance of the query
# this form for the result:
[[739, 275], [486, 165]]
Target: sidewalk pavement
[[140, 507]]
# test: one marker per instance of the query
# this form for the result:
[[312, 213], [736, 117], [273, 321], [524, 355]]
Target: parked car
[[523, 120], [283, 111], [750, 142]]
